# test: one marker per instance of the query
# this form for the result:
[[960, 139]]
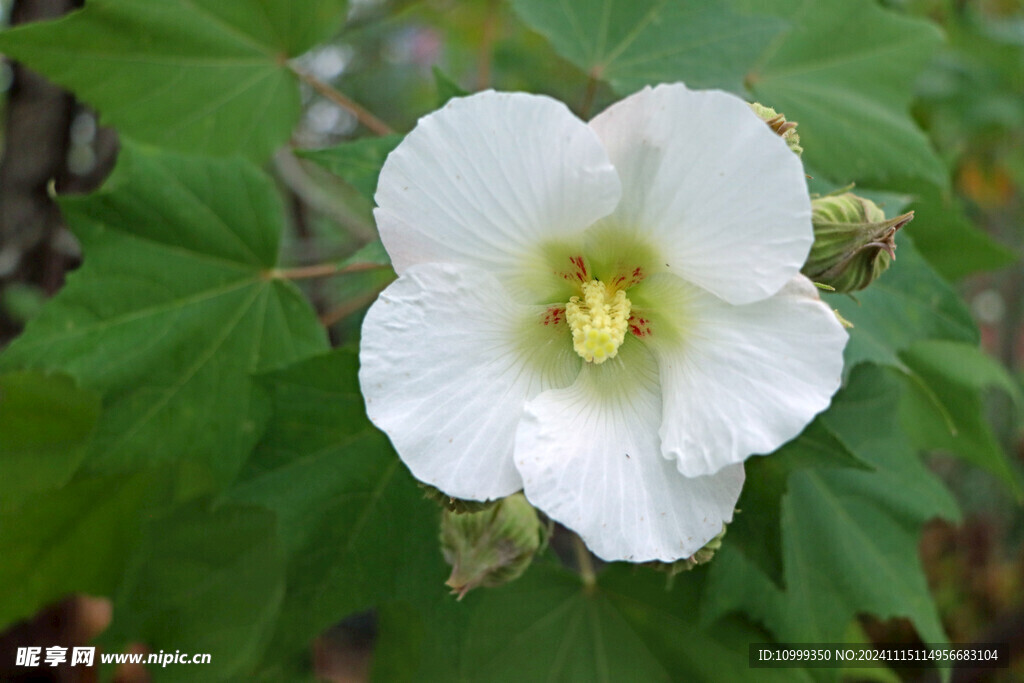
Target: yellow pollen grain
[[598, 322]]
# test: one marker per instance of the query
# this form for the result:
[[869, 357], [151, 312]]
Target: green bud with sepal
[[702, 556], [452, 504], [778, 123], [490, 547], [854, 243]]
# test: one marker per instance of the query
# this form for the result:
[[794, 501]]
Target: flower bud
[[853, 241], [778, 123], [492, 546], [453, 504], [702, 556]]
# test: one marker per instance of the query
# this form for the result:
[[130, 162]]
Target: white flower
[[608, 316]]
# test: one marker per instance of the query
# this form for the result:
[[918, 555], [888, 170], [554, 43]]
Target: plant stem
[[586, 565], [321, 200], [362, 114], [588, 96], [319, 270], [346, 309], [483, 75]]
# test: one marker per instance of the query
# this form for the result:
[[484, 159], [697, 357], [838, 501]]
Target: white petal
[[590, 458], [489, 179], [741, 380], [718, 194], [447, 363]]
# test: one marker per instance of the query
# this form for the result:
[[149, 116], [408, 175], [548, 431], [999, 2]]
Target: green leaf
[[72, 540], [354, 522], [45, 423], [316, 406], [172, 311], [369, 271], [358, 163], [849, 536], [756, 529], [203, 581], [373, 253], [22, 301], [949, 241], [908, 304], [446, 87], [399, 650], [207, 76], [956, 375], [547, 626], [965, 365], [668, 621], [845, 72], [632, 43]]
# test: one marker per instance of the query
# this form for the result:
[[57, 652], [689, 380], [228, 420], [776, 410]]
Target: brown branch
[[35, 141], [329, 318], [319, 270], [584, 563], [483, 75], [295, 175], [362, 114], [588, 96]]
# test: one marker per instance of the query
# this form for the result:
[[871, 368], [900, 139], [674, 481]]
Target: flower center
[[599, 322]]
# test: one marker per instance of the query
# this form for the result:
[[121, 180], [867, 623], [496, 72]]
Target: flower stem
[[483, 75], [321, 200], [586, 565], [362, 114], [319, 270], [335, 315], [588, 96]]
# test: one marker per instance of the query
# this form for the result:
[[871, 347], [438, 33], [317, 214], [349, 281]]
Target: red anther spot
[[636, 276], [553, 316], [640, 327], [581, 268], [578, 272]]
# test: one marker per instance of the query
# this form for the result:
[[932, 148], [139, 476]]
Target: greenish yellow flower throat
[[598, 322]]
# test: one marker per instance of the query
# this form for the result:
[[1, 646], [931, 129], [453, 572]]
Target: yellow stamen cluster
[[599, 322]]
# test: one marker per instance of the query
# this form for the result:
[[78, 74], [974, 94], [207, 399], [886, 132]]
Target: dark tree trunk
[[36, 139], [36, 136]]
